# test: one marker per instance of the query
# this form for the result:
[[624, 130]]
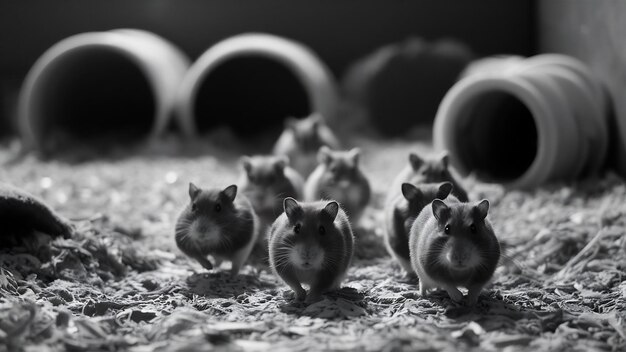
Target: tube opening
[[498, 138], [250, 95], [94, 96]]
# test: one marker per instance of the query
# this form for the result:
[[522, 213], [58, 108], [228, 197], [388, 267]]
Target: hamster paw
[[300, 295], [409, 278], [205, 263], [312, 298], [455, 294], [472, 297], [423, 288]]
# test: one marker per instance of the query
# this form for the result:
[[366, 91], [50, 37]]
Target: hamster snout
[[461, 255], [307, 256], [204, 231]]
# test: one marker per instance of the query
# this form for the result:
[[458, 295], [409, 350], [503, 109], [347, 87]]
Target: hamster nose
[[457, 259], [344, 183]]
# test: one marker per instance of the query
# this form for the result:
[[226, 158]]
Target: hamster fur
[[453, 245], [301, 140], [266, 181], [402, 212], [339, 177], [427, 170], [311, 243], [217, 222]]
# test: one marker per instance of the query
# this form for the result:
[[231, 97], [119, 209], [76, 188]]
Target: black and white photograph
[[280, 175]]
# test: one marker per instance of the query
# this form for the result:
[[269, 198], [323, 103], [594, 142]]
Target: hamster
[[217, 222], [427, 170], [311, 243], [402, 212], [452, 244], [301, 140], [266, 181], [339, 177]]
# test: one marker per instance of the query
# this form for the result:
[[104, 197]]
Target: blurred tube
[[525, 122], [101, 82], [400, 85], [310, 71]]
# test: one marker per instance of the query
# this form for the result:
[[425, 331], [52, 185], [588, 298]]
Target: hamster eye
[[473, 228], [443, 173], [194, 207], [218, 208], [322, 230], [446, 229], [296, 228]]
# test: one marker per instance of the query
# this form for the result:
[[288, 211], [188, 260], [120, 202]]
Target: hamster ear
[[415, 161], [441, 211], [444, 190], [316, 120], [230, 192], [355, 155], [292, 209], [323, 155], [331, 209], [482, 209], [290, 122], [193, 191], [280, 163], [246, 163], [444, 159], [410, 192]]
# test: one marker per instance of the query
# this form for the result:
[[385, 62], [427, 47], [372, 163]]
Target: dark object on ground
[[22, 214]]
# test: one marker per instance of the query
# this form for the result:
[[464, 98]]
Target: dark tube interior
[[94, 96], [251, 95], [498, 138]]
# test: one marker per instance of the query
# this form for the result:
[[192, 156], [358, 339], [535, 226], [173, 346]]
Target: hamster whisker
[[282, 259], [284, 249], [481, 266], [183, 233], [281, 264], [432, 253], [283, 254], [184, 222]]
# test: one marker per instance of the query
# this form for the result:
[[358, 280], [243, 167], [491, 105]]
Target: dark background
[[339, 31]]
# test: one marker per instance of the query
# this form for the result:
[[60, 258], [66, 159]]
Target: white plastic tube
[[83, 57], [540, 119], [312, 73]]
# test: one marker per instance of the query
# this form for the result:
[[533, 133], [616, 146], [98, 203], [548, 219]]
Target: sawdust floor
[[121, 284]]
